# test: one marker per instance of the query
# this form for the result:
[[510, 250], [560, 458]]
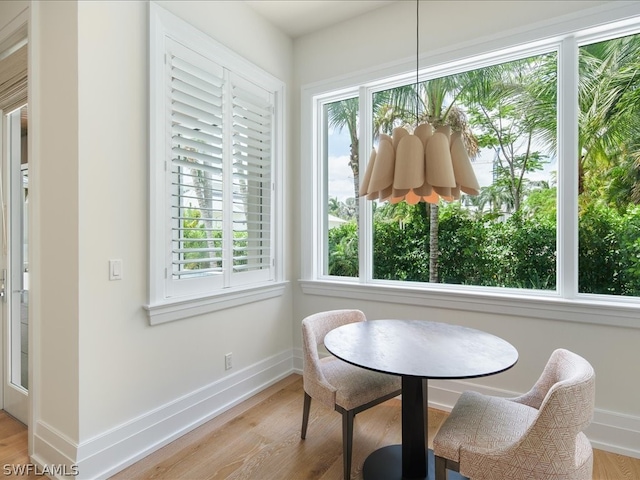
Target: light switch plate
[[115, 269]]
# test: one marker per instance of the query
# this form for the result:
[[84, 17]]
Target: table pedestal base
[[386, 464]]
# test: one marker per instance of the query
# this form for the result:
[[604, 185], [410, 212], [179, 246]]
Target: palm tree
[[432, 101], [333, 206], [609, 118], [341, 114], [513, 109]]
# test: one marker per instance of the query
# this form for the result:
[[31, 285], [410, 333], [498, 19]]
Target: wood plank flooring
[[260, 439], [13, 447]]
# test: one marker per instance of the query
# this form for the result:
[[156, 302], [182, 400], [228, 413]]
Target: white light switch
[[115, 269]]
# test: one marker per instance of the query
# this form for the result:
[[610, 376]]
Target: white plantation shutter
[[215, 127], [195, 89], [252, 144]]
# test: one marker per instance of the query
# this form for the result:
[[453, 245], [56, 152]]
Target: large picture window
[[505, 236], [558, 213]]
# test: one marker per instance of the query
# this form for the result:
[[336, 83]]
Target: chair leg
[[305, 415], [441, 468], [347, 441]]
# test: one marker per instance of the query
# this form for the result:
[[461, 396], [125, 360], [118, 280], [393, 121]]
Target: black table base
[[386, 464]]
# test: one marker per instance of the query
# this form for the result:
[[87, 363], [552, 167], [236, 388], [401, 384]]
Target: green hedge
[[519, 252]]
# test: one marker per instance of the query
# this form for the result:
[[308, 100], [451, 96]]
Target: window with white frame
[[215, 156], [558, 214]]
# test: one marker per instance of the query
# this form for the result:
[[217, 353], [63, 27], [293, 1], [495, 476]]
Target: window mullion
[[568, 108], [323, 188], [365, 229]]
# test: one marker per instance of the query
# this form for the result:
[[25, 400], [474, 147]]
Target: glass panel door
[[15, 288]]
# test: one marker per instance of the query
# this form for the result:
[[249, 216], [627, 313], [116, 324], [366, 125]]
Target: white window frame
[[564, 303], [172, 299]]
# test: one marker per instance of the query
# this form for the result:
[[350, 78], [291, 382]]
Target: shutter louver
[[252, 179], [196, 167]]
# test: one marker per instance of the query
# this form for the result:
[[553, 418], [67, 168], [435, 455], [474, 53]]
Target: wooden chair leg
[[441, 468], [305, 415], [347, 441]]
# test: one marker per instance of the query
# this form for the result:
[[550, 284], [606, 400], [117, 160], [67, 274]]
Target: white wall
[[386, 37], [54, 161], [110, 387]]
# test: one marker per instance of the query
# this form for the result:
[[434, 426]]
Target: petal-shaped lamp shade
[[383, 168], [438, 160], [424, 166], [387, 194], [424, 132], [409, 168], [432, 198], [398, 134], [423, 190], [364, 186], [465, 176], [412, 198]]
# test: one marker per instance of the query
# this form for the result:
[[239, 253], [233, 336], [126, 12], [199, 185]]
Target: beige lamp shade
[[438, 159], [364, 185], [425, 166], [465, 176], [424, 132], [383, 168], [409, 168]]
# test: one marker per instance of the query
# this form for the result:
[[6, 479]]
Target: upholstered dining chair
[[538, 435], [336, 384]]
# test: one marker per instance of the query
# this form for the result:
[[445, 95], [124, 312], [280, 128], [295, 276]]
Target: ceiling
[[300, 17]]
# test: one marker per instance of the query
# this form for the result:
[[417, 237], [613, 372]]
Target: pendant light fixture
[[427, 165]]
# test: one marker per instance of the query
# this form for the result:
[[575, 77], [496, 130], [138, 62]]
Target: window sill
[[178, 309], [607, 311]]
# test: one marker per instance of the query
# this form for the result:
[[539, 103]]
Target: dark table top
[[421, 348]]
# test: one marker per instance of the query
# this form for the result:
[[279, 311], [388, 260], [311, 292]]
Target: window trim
[[546, 307], [161, 307], [565, 303]]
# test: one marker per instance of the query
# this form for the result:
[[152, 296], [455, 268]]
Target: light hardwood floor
[[13, 447], [260, 439]]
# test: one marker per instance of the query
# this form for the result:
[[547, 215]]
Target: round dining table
[[417, 350]]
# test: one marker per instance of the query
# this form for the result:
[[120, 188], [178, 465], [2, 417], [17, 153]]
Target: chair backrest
[[567, 408], [314, 329]]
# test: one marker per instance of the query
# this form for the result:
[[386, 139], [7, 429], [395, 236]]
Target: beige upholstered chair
[[339, 385], [538, 435]]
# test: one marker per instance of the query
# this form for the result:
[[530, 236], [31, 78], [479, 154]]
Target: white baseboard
[[297, 360], [615, 432], [609, 431], [116, 449]]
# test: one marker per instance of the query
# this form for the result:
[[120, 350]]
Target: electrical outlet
[[227, 361]]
